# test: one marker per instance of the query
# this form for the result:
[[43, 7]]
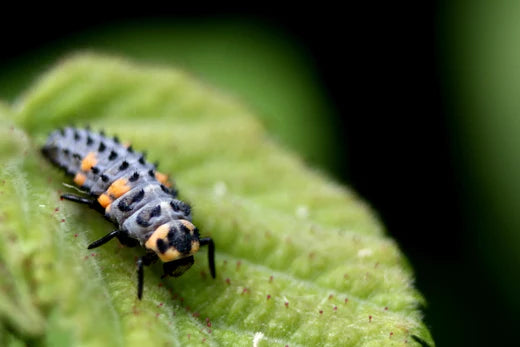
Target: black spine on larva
[[68, 148]]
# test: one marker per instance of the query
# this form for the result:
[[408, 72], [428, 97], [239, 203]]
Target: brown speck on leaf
[[271, 279], [331, 296], [321, 311], [228, 281]]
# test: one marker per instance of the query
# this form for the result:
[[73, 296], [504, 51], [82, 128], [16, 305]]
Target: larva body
[[132, 195]]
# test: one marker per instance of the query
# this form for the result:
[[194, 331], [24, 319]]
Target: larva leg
[[208, 241], [77, 198], [127, 240], [104, 239], [92, 203], [145, 260]]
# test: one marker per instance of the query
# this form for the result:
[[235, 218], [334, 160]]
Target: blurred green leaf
[[300, 260], [261, 65], [482, 69]]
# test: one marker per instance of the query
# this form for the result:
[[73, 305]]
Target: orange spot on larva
[[89, 161], [80, 179], [163, 178], [118, 188], [104, 200]]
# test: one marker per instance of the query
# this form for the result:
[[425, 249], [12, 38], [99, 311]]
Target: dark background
[[397, 140]]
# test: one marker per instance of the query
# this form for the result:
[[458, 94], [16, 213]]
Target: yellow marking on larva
[[163, 178], [162, 233], [118, 188], [188, 225], [195, 245], [89, 161], [104, 200], [80, 179]]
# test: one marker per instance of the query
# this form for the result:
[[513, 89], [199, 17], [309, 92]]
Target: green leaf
[[300, 259]]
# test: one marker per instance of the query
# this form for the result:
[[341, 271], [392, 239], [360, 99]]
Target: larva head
[[174, 240]]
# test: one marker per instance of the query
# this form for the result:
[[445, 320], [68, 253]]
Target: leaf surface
[[300, 260]]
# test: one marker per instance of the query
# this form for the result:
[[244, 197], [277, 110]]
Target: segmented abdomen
[[133, 194]]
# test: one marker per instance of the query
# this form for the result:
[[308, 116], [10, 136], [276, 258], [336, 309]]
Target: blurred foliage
[[269, 71], [482, 74], [301, 261]]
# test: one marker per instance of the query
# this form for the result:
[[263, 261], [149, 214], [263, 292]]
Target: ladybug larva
[[132, 195]]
